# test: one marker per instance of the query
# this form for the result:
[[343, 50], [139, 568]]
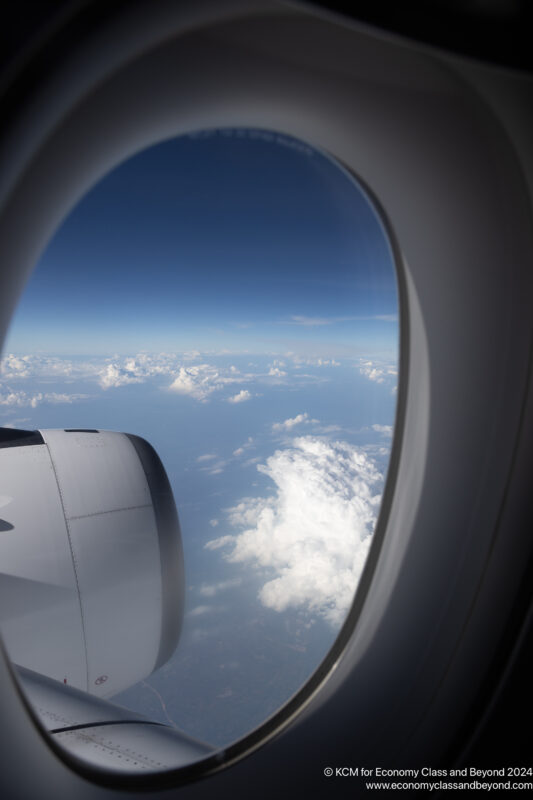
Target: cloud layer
[[313, 534], [24, 399], [183, 373]]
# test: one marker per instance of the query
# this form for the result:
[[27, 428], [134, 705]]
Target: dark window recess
[[80, 430], [12, 437]]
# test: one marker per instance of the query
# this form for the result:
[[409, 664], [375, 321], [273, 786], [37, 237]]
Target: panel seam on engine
[[74, 563], [109, 511]]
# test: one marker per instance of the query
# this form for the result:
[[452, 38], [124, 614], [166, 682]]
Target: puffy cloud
[[289, 424], [276, 372], [13, 366], [378, 451], [248, 511], [372, 373], [378, 372], [135, 369], [112, 376], [241, 397], [21, 398], [313, 534], [201, 380], [385, 430], [326, 362], [198, 381]]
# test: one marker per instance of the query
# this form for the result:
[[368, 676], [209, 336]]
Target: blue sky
[[215, 241], [231, 297]]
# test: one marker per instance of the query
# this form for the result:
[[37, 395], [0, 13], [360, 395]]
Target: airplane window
[[222, 310]]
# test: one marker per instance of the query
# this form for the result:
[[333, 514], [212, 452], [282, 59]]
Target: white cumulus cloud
[[289, 424], [135, 369], [241, 397], [276, 372], [385, 430], [201, 380], [313, 534], [372, 373], [377, 371], [198, 381], [113, 375]]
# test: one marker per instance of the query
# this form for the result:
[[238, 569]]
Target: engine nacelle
[[91, 561]]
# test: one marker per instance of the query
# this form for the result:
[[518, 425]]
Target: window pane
[[229, 296]]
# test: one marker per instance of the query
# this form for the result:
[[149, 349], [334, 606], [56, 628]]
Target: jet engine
[[91, 563]]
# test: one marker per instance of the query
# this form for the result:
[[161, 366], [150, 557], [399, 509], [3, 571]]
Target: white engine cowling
[[91, 563]]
